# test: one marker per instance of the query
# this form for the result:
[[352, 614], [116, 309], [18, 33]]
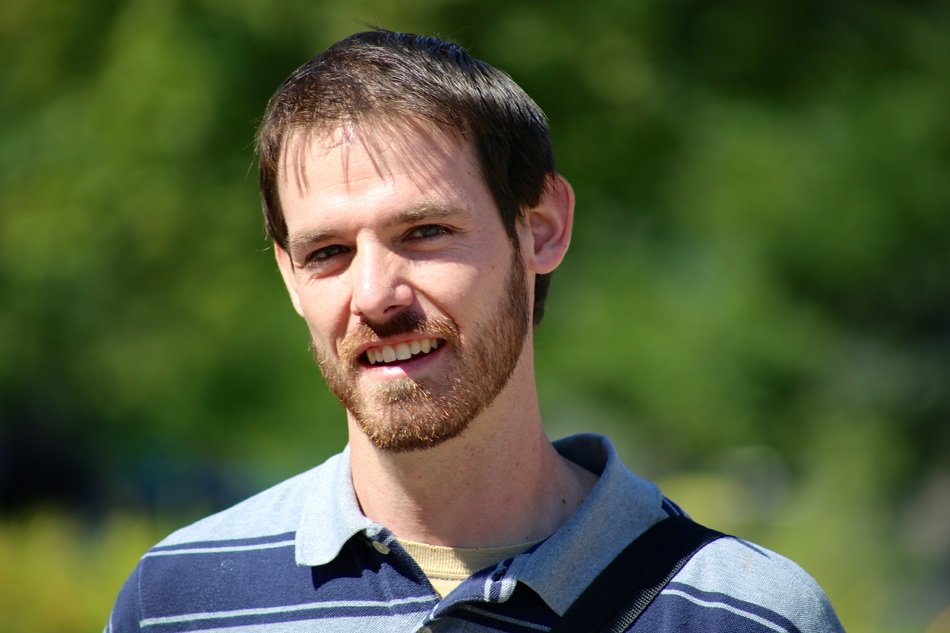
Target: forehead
[[346, 159]]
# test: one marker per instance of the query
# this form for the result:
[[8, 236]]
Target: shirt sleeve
[[126, 614], [733, 585]]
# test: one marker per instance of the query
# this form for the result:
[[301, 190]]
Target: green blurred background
[[756, 305]]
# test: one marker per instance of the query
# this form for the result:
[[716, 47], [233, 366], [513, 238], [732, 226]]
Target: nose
[[379, 287]]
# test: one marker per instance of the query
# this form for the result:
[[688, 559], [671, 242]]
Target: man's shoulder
[[274, 511], [208, 566], [746, 583], [737, 565]]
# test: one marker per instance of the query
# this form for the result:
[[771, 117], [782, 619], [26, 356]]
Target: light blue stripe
[[315, 606], [714, 604], [226, 548]]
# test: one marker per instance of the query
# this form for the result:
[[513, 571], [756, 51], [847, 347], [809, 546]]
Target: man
[[416, 214]]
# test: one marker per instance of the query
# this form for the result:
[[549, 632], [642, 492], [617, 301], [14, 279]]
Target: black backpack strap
[[627, 586]]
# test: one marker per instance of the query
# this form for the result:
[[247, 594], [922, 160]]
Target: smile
[[401, 351]]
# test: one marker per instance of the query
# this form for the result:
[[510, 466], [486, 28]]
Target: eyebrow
[[300, 241], [424, 212], [410, 215]]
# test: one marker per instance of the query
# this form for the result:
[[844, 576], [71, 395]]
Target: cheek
[[319, 339], [470, 294], [452, 287], [326, 312]]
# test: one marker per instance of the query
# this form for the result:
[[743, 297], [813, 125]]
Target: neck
[[501, 482]]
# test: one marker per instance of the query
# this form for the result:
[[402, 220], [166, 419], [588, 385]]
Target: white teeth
[[402, 351]]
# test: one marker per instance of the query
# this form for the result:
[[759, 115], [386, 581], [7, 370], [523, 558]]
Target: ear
[[287, 271], [547, 228]]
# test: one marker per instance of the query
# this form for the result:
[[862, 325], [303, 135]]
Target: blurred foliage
[[59, 575], [756, 305]]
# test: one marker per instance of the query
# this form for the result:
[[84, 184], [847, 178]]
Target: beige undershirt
[[447, 567]]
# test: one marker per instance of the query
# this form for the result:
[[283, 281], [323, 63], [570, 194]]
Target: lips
[[405, 350]]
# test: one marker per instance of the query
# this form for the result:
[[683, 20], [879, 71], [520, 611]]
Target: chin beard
[[408, 417]]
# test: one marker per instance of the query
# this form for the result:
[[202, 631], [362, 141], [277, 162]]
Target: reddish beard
[[410, 414]]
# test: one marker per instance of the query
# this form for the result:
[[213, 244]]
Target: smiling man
[[394, 253], [416, 214]]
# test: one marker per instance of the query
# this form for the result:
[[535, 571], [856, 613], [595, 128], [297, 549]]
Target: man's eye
[[428, 231], [322, 255]]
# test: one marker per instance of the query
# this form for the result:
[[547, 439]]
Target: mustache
[[406, 322]]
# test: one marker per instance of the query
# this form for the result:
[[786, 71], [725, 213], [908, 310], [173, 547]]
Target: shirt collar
[[331, 513], [618, 509]]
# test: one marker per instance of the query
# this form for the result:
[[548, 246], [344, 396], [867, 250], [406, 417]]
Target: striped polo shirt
[[302, 557]]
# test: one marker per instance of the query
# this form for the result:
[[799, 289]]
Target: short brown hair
[[382, 74]]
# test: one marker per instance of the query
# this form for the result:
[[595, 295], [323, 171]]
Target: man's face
[[415, 298]]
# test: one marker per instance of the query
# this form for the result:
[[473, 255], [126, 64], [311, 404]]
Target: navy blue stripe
[[224, 581], [498, 622], [238, 542], [741, 605], [751, 546], [270, 578], [671, 508]]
